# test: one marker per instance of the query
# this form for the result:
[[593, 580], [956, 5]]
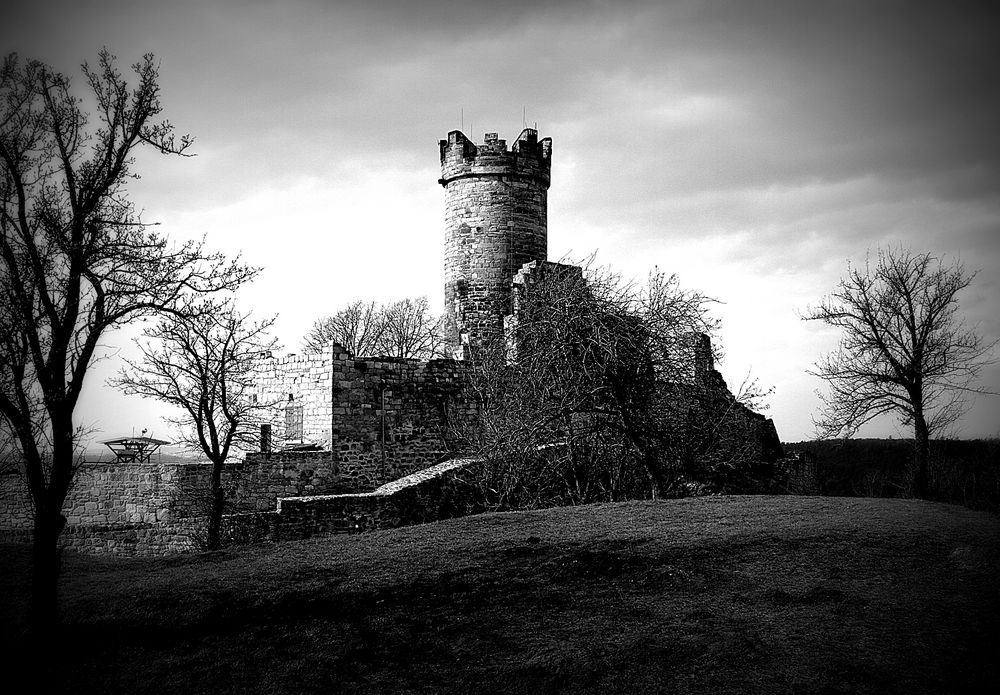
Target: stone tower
[[495, 222]]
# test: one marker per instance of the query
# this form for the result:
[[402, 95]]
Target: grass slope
[[709, 595]]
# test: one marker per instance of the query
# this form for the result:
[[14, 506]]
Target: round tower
[[495, 222]]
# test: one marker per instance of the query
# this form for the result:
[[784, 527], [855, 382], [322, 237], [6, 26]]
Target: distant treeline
[[965, 472]]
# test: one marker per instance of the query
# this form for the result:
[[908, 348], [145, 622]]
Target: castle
[[385, 417], [366, 441]]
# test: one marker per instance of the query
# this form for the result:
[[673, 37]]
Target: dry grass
[[722, 594]]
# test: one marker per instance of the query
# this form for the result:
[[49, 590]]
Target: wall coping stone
[[390, 488]]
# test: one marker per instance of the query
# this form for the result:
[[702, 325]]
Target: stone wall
[[256, 483], [799, 473], [442, 491], [112, 493], [158, 508], [438, 492], [382, 418], [15, 508], [379, 419]]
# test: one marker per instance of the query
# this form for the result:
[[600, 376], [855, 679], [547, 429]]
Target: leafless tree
[[357, 327], [410, 330], [77, 261], [203, 362], [595, 387], [904, 349], [405, 328]]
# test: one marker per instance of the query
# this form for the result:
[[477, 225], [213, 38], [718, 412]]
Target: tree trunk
[[651, 461], [49, 523], [218, 505], [921, 449]]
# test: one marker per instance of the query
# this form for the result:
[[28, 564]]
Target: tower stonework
[[495, 222]]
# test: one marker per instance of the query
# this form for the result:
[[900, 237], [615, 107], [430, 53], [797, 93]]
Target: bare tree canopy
[[203, 362], [357, 327], [904, 348], [77, 261], [595, 388], [405, 328], [410, 330]]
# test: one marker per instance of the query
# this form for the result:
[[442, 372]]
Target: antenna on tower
[[463, 119], [524, 123]]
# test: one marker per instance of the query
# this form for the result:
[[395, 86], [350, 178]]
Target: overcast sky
[[753, 148]]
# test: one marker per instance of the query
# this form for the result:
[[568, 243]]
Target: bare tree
[[77, 261], [204, 362], [410, 330], [904, 349], [357, 327], [405, 328], [596, 386]]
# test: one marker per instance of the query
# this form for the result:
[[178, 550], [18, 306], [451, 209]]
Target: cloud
[[753, 146]]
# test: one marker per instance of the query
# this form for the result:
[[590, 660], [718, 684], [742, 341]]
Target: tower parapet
[[526, 159], [495, 221]]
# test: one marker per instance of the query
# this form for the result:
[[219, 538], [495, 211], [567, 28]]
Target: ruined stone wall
[[259, 480], [495, 221], [109, 493], [382, 418], [800, 473], [123, 509], [443, 491], [378, 419], [709, 425], [438, 492]]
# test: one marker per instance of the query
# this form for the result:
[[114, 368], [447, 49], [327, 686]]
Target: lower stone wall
[[134, 540], [126, 540], [438, 492], [112, 493], [160, 508]]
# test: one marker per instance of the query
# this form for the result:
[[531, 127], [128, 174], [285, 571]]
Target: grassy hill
[[708, 595]]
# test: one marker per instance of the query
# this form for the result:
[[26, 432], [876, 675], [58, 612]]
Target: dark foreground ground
[[712, 595]]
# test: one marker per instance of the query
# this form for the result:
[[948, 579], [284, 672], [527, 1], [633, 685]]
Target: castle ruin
[[368, 437], [402, 414]]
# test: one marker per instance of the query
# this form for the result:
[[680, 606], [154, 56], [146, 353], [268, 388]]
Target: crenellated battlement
[[527, 158]]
